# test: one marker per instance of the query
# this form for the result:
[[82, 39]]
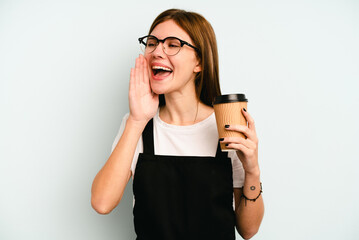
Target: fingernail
[[221, 139], [226, 126], [244, 109]]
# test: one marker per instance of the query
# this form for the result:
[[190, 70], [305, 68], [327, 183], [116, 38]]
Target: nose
[[159, 50]]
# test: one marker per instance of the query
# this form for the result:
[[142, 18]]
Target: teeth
[[162, 68]]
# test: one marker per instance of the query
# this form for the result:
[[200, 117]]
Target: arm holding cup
[[249, 214]]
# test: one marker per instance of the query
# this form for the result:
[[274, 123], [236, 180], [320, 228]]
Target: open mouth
[[161, 71]]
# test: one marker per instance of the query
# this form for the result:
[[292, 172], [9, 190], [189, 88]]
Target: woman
[[184, 186]]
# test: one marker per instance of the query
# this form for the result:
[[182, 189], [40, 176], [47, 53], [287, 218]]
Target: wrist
[[253, 198], [138, 124], [253, 173]]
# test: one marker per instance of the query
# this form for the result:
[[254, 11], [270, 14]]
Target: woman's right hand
[[143, 102]]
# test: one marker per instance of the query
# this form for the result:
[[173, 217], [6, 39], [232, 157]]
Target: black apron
[[182, 197]]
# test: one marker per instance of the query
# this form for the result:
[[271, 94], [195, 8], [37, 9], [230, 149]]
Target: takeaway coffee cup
[[227, 109]]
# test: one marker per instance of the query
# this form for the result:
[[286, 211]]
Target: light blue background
[[64, 72]]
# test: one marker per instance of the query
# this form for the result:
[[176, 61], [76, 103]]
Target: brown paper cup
[[228, 111]]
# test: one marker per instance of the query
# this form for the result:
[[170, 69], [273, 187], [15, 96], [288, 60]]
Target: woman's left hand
[[247, 148]]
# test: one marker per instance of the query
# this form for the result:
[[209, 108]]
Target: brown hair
[[204, 38]]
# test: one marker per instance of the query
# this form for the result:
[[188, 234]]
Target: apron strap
[[148, 144], [147, 137], [219, 153]]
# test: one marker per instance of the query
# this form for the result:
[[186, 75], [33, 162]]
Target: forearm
[[249, 214], [110, 182]]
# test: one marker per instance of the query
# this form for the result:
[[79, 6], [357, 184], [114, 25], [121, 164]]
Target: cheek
[[147, 57], [184, 74], [186, 67]]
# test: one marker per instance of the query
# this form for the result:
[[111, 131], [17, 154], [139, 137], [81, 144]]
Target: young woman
[[184, 186]]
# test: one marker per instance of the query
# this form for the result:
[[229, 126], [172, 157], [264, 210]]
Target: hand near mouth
[[143, 102]]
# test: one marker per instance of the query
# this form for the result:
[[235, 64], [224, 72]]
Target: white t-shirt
[[199, 139]]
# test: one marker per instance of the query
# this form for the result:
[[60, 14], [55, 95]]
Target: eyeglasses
[[171, 45]]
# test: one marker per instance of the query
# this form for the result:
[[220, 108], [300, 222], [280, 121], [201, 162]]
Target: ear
[[198, 67]]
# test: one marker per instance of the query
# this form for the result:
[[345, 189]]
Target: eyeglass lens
[[171, 46]]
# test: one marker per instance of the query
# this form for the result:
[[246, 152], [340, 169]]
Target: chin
[[158, 89]]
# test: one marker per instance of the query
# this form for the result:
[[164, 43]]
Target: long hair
[[204, 38]]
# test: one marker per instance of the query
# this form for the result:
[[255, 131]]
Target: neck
[[180, 109]]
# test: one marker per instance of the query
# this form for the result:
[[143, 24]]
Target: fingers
[[240, 147], [246, 146], [140, 73], [249, 119], [243, 129], [145, 70], [138, 67], [132, 80], [247, 143], [250, 131]]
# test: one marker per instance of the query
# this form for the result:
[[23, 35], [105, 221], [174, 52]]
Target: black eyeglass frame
[[163, 41]]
